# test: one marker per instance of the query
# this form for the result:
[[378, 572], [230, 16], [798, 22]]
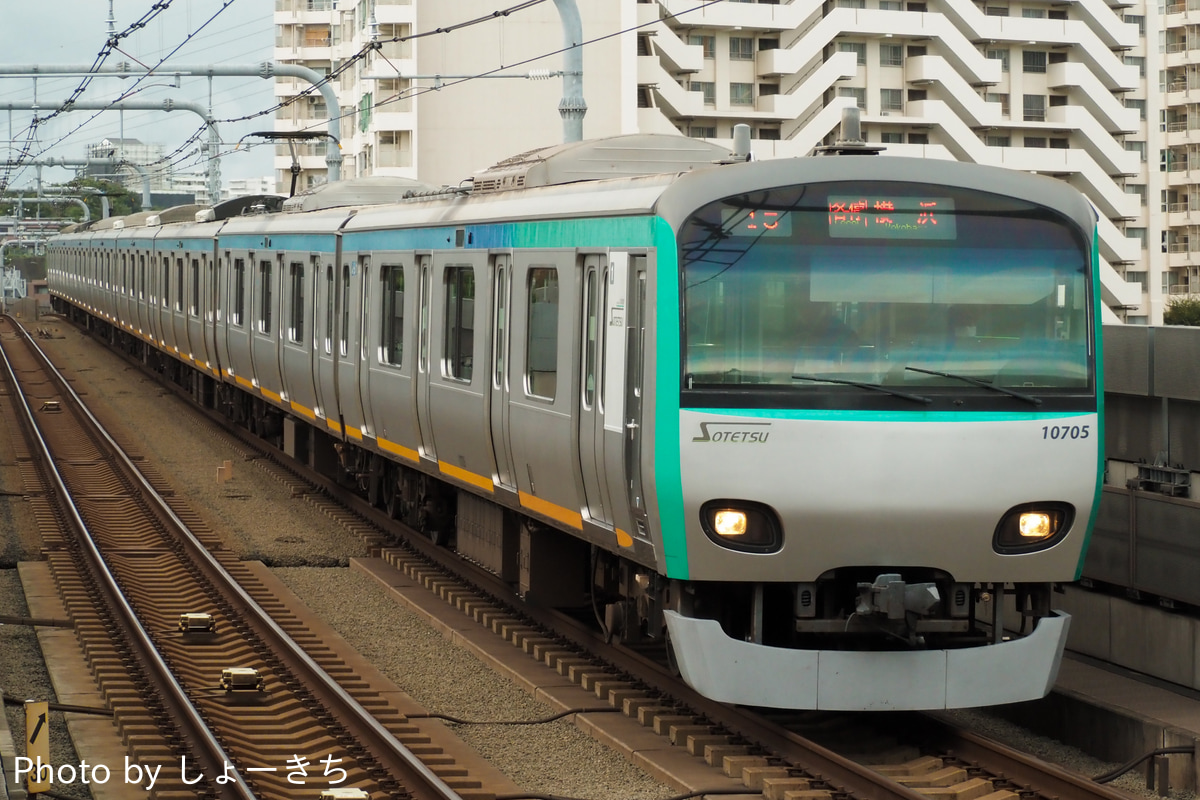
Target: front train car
[[877, 425]]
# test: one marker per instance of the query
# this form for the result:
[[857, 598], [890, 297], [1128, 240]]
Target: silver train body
[[824, 424]]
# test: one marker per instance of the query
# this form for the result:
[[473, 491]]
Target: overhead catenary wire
[[418, 91], [111, 44]]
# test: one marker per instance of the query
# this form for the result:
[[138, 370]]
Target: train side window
[[239, 291], [194, 300], [393, 315], [141, 277], [264, 310], [344, 338], [179, 284], [591, 333], [166, 282], [541, 351], [329, 309], [459, 340], [296, 330]]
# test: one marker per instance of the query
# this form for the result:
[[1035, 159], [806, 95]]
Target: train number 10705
[[1059, 432]]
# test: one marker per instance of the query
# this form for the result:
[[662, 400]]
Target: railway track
[[764, 754], [128, 565]]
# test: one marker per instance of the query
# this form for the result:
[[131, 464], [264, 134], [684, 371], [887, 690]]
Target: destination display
[[891, 217]]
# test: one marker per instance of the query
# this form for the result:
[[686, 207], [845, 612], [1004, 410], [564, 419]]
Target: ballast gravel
[[260, 519]]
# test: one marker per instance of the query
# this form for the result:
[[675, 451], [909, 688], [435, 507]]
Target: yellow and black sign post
[[37, 744]]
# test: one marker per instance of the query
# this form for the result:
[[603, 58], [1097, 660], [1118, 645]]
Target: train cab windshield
[[885, 295]]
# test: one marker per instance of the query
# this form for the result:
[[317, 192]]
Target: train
[[828, 427]]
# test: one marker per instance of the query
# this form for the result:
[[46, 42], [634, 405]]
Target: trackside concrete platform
[[1125, 687]]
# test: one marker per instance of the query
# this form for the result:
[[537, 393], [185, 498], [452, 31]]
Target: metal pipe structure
[[100, 162], [214, 138], [265, 70], [20, 201], [572, 107]]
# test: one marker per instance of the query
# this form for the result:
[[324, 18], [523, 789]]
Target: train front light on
[[742, 525], [1033, 526]]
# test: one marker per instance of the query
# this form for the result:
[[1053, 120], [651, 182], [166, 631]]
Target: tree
[[1182, 311], [121, 200]]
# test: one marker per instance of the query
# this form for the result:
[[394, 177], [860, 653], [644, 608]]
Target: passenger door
[[296, 333], [391, 388], [542, 410], [458, 378]]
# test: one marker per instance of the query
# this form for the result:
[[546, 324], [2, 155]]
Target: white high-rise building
[[1051, 87]]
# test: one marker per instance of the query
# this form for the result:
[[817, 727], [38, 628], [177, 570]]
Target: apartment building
[[1047, 86]]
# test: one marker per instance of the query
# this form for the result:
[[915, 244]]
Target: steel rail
[[185, 715], [403, 762]]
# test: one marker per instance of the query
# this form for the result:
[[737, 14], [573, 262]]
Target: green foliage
[[121, 201], [1182, 311]]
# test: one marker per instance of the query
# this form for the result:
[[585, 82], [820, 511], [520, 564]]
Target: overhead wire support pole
[[572, 107], [265, 70]]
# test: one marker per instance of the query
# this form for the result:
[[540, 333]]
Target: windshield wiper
[[875, 387], [983, 384]]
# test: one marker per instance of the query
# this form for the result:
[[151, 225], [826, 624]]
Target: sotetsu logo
[[739, 432]]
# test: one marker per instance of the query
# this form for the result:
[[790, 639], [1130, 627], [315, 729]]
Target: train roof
[[623, 156]]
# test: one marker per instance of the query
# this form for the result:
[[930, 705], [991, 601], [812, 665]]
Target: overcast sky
[[61, 32]]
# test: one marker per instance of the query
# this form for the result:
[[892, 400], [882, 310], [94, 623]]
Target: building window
[[1035, 141], [709, 43], [707, 88], [891, 99], [741, 94], [891, 55], [1059, 143], [858, 48], [891, 5], [1140, 105], [1138, 189], [1035, 108], [741, 48], [1002, 99], [768, 44], [1137, 19], [1001, 56], [702, 131], [1140, 235], [393, 315], [1056, 13], [851, 3], [1033, 61], [1137, 147], [999, 141], [996, 11], [459, 340], [1033, 13], [770, 134], [918, 138], [859, 94], [891, 137], [541, 348]]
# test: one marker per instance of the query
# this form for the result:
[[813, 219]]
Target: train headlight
[[730, 522], [1033, 526], [742, 525]]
